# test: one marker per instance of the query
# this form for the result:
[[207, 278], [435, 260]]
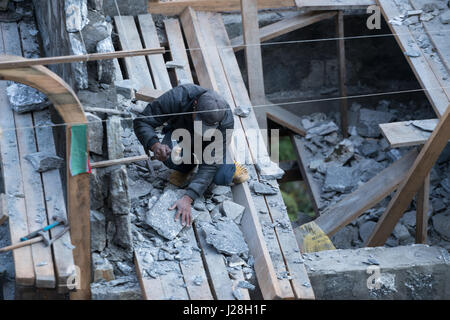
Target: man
[[179, 108]]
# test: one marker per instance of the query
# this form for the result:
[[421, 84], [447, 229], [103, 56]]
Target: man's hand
[[184, 209], [161, 151]]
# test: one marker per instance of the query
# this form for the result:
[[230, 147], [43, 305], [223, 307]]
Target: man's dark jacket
[[167, 109]]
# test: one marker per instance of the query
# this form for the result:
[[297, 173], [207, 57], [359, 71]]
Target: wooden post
[[422, 204], [342, 72], [413, 182], [253, 58]]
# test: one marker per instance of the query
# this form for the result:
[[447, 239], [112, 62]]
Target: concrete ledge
[[405, 272]]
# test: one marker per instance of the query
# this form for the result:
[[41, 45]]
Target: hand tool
[[42, 236], [34, 234]]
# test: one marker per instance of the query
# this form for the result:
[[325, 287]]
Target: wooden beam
[[253, 57], [130, 39], [286, 119], [422, 207], [195, 34], [413, 182], [342, 72], [333, 4], [421, 66], [156, 61], [366, 196], [286, 240], [172, 8], [178, 50], [284, 26], [406, 134], [11, 64]]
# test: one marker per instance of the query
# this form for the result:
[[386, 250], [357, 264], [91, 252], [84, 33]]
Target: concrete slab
[[405, 272]]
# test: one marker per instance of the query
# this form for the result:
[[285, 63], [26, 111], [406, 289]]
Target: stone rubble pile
[[340, 165]]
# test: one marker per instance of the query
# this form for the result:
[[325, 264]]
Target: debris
[[226, 237], [263, 188], [412, 53], [242, 111], [41, 264], [235, 261], [43, 161], [341, 153], [175, 65], [368, 125], [445, 17], [126, 88], [322, 129], [237, 294], [340, 179], [198, 280], [246, 285], [268, 169]]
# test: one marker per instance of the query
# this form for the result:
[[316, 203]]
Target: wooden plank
[[178, 50], [253, 57], [34, 201], [172, 8], [286, 240], [194, 269], [148, 94], [419, 65], [284, 26], [422, 207], [137, 68], [192, 32], [303, 159], [55, 203], [216, 268], [156, 61], [12, 173], [151, 288], [366, 196], [334, 4], [109, 163], [14, 194], [342, 73], [405, 133], [286, 119], [413, 182], [12, 64], [438, 33], [264, 269], [251, 228]]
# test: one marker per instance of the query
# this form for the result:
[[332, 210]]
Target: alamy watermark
[[374, 21]]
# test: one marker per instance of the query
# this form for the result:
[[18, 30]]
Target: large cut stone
[[160, 218], [226, 237], [98, 188], [126, 88], [23, 98], [366, 230], [79, 69], [232, 210], [118, 189], [95, 130], [76, 15], [102, 269], [96, 30], [123, 237], [43, 161], [114, 132], [98, 231], [369, 121], [106, 69]]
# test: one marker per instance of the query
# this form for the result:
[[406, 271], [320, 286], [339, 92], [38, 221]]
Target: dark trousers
[[224, 174]]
